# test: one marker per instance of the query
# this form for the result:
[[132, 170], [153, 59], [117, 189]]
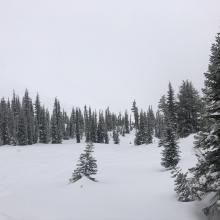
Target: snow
[[132, 184], [188, 153]]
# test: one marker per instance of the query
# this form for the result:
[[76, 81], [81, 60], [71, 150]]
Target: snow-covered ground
[[132, 184]]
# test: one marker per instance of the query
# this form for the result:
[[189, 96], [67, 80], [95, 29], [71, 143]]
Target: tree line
[[191, 114], [26, 123]]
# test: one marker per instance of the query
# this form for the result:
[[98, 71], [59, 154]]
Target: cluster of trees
[[25, 123], [205, 176], [178, 116], [144, 124]]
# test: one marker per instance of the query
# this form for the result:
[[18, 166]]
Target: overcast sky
[[100, 52]]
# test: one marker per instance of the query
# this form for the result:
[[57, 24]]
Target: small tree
[[170, 153], [87, 165]]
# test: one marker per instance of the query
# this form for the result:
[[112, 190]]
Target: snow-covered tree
[[87, 166], [207, 171]]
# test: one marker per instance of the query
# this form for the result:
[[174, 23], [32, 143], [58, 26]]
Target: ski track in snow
[[132, 184]]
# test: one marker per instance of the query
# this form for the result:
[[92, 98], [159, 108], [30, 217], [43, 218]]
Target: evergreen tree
[[37, 111], [28, 112], [189, 107], [170, 153], [134, 109], [101, 129], [207, 170], [126, 123], [56, 124], [22, 136], [184, 187], [93, 130], [4, 123], [171, 111], [73, 123], [15, 109], [78, 138], [43, 127], [140, 137], [87, 166]]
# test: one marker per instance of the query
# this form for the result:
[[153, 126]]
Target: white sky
[[100, 52]]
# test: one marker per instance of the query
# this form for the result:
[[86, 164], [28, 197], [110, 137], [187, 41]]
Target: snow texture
[[34, 183]]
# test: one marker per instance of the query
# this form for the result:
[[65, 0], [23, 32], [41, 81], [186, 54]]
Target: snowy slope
[[132, 184]]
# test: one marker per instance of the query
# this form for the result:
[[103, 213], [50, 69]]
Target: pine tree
[[208, 141], [141, 136], [22, 136], [78, 138], [43, 127], [87, 166], [126, 123], [171, 112], [93, 130], [56, 124], [170, 153], [15, 109], [4, 123], [28, 111], [101, 129], [37, 111], [73, 123], [134, 109]]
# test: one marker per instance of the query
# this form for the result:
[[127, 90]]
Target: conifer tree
[[4, 123], [28, 112], [22, 136], [78, 138], [134, 109], [126, 123], [101, 129], [93, 130], [208, 141], [140, 137], [56, 124], [73, 123], [170, 153], [87, 166]]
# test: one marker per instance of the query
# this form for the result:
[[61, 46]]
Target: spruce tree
[[126, 123], [141, 136], [56, 124], [73, 124], [208, 141], [87, 166], [22, 136], [78, 138], [101, 129], [28, 112], [134, 109], [4, 123], [170, 153]]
